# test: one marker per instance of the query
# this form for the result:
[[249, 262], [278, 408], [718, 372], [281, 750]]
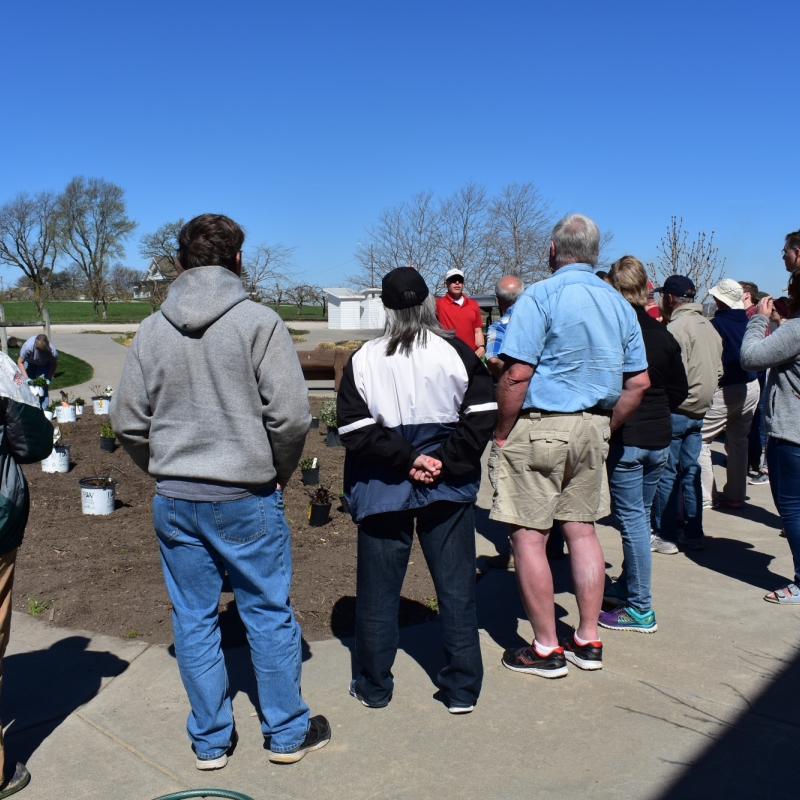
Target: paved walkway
[[706, 707]]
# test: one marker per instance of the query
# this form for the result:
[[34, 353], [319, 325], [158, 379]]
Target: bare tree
[[404, 236], [520, 223], [123, 281], [697, 259], [28, 239], [68, 283], [300, 294], [266, 267], [320, 297], [161, 243], [92, 228]]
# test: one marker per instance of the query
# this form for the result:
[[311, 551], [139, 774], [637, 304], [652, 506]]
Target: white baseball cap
[[729, 292], [451, 273]]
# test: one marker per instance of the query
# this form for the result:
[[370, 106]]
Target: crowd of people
[[595, 399]]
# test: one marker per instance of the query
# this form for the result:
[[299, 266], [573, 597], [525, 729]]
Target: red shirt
[[463, 319]]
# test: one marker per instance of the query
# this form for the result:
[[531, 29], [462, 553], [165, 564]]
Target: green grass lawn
[[70, 370], [82, 312]]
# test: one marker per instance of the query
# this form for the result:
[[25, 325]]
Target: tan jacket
[[701, 349]]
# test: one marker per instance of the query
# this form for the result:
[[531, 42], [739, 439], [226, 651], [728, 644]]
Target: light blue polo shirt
[[580, 335]]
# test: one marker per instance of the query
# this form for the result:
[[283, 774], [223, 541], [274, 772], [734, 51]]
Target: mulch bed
[[103, 573]]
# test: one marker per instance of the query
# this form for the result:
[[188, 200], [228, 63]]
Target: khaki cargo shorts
[[552, 466]]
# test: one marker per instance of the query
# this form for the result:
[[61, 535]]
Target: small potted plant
[[327, 415], [101, 398], [59, 459], [345, 505], [79, 404], [98, 494], [38, 385], [107, 437], [315, 422], [309, 467], [50, 411], [319, 512], [65, 410]]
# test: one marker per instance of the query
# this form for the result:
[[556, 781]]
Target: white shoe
[[461, 709]]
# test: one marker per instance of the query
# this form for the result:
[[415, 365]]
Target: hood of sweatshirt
[[200, 296]]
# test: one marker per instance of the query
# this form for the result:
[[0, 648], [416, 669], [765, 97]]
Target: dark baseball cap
[[679, 286], [403, 288]]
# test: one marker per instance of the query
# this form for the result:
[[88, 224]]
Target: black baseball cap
[[678, 286], [403, 287]]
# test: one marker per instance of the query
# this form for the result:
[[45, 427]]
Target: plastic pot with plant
[[59, 459], [327, 415], [345, 505], [319, 512], [101, 398], [50, 411], [309, 467], [107, 437], [38, 385], [65, 410], [98, 494], [79, 404]]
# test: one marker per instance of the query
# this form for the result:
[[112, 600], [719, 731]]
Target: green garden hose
[[189, 793]]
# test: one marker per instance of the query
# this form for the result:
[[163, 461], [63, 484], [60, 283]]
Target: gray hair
[[577, 240], [682, 301], [407, 327], [508, 289]]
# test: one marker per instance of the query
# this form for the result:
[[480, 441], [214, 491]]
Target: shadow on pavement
[[738, 560], [43, 687], [756, 755]]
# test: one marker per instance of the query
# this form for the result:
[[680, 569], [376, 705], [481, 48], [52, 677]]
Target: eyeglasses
[[785, 252], [455, 280]]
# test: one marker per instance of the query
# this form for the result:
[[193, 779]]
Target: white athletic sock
[[541, 649], [583, 642]]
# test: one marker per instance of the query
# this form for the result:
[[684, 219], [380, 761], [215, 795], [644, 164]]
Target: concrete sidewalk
[[706, 707]]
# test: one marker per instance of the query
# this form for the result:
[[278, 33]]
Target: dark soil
[[103, 573]]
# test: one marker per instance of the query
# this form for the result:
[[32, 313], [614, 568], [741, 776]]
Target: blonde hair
[[628, 277], [41, 342]]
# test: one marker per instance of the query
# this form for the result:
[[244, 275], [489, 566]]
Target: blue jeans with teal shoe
[[249, 539], [633, 475]]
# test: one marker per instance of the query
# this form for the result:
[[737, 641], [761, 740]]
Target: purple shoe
[[626, 618]]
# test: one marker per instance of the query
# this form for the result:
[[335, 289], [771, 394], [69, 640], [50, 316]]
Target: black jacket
[[650, 425]]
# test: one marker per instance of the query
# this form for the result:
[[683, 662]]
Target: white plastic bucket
[[48, 414], [58, 460], [38, 391], [66, 413], [100, 405], [78, 411], [95, 499]]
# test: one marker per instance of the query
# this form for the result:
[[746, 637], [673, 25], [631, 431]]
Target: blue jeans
[[250, 540], [783, 460], [447, 536], [633, 474], [683, 470]]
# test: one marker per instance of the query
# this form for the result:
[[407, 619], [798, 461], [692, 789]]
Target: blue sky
[[303, 120]]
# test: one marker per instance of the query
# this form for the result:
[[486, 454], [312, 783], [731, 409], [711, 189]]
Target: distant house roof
[[161, 269]]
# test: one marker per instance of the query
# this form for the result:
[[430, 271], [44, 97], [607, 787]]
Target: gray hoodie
[[212, 389], [780, 353]]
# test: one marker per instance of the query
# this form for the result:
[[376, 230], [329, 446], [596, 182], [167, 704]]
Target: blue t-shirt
[[580, 334]]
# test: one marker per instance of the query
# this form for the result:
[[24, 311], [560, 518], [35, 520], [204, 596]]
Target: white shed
[[344, 309], [373, 314]]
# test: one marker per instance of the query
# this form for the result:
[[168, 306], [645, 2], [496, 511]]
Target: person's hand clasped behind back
[[425, 469]]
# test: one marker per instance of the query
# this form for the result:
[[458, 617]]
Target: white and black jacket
[[437, 400]]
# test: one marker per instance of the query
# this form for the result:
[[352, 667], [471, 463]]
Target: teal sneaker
[[626, 618], [616, 594]]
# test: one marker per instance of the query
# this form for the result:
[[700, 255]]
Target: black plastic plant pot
[[107, 443], [315, 422], [333, 439], [319, 514], [345, 504], [310, 476]]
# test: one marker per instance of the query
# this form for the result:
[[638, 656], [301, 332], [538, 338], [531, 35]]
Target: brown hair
[[793, 239], [749, 286], [210, 239], [41, 342], [794, 292], [628, 277]]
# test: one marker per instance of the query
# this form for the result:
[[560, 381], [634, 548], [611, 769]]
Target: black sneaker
[[526, 659], [583, 656], [319, 734]]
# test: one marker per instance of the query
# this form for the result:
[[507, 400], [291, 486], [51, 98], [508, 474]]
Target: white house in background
[[349, 310], [161, 270]]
